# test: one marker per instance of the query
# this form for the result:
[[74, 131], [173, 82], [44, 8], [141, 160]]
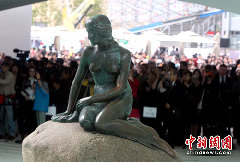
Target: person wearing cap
[[7, 92]]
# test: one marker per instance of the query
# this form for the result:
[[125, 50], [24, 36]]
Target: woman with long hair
[[26, 115]]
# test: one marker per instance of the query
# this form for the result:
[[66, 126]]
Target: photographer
[[41, 101], [7, 99], [27, 117]]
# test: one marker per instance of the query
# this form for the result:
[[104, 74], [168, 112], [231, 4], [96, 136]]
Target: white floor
[[11, 152]]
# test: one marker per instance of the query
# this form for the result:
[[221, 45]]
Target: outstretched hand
[[57, 116], [66, 117], [71, 117]]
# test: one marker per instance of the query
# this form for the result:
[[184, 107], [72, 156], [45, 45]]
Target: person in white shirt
[[27, 121]]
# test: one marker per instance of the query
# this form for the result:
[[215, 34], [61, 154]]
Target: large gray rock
[[68, 142]]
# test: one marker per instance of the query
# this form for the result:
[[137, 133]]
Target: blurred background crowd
[[175, 95]]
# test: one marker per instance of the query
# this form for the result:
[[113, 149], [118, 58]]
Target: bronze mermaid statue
[[107, 111]]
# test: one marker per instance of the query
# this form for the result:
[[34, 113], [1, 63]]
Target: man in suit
[[224, 101], [173, 105], [236, 104]]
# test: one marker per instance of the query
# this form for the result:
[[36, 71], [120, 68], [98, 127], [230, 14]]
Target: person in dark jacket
[[62, 90], [142, 77], [163, 88], [209, 108], [236, 105], [224, 102], [187, 102], [150, 102], [174, 105], [195, 99]]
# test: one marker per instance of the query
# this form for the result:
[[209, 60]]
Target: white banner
[[51, 110], [149, 112]]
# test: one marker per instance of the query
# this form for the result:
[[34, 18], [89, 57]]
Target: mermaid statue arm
[[121, 81], [78, 79]]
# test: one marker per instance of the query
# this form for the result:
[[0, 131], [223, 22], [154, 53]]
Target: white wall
[[235, 24], [15, 29], [225, 25]]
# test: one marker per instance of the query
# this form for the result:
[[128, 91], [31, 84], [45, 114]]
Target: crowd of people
[[177, 102], [171, 93]]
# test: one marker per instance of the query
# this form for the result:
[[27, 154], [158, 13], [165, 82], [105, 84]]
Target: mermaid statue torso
[[105, 69], [107, 111], [105, 73]]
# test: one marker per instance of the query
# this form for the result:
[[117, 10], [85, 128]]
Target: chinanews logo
[[214, 146]]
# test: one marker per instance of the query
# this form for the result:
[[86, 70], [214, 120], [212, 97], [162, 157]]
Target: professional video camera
[[22, 55]]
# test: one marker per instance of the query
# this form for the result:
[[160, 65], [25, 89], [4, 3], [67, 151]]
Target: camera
[[22, 55]]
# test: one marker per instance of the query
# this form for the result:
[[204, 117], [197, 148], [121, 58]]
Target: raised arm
[[78, 79], [121, 81]]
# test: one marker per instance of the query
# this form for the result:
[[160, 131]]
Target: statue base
[[63, 142]]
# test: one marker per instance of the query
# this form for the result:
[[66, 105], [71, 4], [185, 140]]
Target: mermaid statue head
[[100, 31]]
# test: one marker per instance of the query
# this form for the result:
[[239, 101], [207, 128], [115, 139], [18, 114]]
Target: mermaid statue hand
[[58, 116], [83, 102]]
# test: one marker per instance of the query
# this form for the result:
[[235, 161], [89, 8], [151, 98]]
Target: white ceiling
[[7, 4], [226, 5]]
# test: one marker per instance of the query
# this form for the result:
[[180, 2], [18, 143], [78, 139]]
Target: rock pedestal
[[68, 142]]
